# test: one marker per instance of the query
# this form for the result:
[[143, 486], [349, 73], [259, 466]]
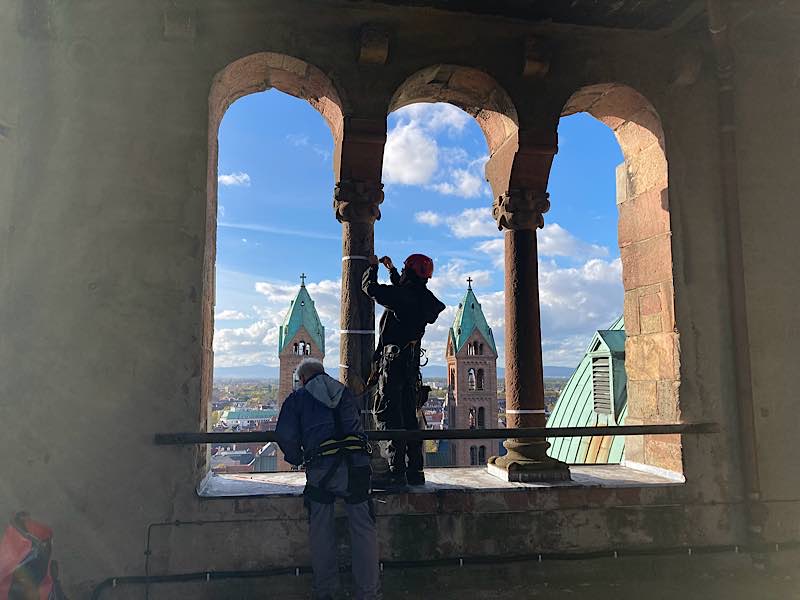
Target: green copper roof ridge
[[467, 320], [302, 313]]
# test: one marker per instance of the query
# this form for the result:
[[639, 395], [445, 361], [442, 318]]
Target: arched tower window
[[473, 455], [452, 381], [471, 382], [481, 418], [472, 422], [479, 379], [480, 349], [482, 455]]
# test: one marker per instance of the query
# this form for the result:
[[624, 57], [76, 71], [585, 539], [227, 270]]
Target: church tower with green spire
[[301, 336], [471, 380]]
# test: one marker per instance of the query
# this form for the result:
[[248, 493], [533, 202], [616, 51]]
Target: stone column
[[356, 207], [520, 213]]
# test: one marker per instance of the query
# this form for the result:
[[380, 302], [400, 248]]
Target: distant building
[[247, 419], [301, 335], [595, 395], [471, 401]]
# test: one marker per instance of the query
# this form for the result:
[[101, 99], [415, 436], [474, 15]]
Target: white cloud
[[434, 117], [230, 315], [410, 157], [239, 179], [463, 183], [471, 222], [428, 217], [554, 240]]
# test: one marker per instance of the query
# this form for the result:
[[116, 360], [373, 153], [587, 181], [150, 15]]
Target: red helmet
[[420, 264]]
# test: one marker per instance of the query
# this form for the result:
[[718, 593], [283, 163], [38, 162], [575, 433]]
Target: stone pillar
[[356, 207], [520, 213], [359, 192]]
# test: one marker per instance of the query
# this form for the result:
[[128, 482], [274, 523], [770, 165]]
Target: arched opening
[[473, 455], [644, 238], [482, 455], [283, 80], [462, 116], [481, 417], [479, 379], [471, 380]]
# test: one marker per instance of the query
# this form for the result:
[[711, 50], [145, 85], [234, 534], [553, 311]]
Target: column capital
[[521, 209], [357, 201]]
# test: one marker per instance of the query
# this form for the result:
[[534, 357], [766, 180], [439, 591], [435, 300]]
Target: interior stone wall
[[104, 159]]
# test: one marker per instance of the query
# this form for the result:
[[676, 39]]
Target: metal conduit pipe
[[720, 36], [113, 582]]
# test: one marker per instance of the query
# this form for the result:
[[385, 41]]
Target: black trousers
[[396, 406]]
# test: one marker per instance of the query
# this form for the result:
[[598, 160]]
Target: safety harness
[[343, 447]]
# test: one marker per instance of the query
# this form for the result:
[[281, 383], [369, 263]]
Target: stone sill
[[472, 480]]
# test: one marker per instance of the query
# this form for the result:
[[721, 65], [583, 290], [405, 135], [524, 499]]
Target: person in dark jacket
[[410, 307], [319, 426]]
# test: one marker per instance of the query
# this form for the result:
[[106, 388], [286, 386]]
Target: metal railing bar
[[177, 439]]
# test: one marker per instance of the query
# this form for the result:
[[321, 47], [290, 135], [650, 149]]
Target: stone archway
[[645, 240], [478, 94], [251, 74]]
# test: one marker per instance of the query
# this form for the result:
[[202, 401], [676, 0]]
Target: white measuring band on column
[[358, 331], [525, 411], [344, 366], [354, 257]]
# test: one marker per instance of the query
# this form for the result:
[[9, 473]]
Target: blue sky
[[275, 221]]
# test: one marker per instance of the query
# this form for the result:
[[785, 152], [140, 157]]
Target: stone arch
[[478, 94], [645, 241], [248, 75]]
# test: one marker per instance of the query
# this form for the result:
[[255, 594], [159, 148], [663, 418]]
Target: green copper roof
[[302, 314], [575, 408], [469, 317]]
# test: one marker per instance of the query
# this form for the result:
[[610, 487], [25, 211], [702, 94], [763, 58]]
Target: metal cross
[[469, 282], [302, 279]]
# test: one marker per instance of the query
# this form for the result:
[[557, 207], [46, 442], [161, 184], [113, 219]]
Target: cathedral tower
[[301, 336], [471, 381]]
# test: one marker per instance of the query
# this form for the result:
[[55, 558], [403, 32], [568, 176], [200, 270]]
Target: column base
[[527, 462]]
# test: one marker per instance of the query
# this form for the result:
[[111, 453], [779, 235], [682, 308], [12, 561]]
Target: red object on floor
[[25, 565]]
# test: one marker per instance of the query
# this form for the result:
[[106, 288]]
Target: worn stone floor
[[725, 576], [454, 478]]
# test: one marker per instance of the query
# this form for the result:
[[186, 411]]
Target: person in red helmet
[[409, 307]]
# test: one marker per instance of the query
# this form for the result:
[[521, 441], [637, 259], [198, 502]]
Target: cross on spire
[[303, 280], [469, 283]]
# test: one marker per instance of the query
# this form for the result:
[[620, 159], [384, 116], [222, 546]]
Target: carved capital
[[357, 201], [521, 209]]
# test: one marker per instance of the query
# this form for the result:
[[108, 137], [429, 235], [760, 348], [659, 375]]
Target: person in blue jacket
[[319, 426]]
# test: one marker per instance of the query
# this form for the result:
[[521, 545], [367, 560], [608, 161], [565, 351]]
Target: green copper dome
[[302, 314], [469, 317]]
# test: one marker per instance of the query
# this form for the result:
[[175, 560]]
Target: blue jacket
[[306, 418]]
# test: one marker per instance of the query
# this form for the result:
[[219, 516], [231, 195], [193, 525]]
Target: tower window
[[479, 380], [481, 418], [482, 455], [473, 455], [471, 382]]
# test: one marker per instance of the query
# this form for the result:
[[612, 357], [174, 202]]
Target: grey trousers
[[322, 539]]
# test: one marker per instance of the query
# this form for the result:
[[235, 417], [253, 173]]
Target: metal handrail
[[178, 439]]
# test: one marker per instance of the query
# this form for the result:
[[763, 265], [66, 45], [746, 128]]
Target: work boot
[[390, 480], [415, 478]]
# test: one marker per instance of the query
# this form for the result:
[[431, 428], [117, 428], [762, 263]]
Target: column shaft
[[357, 309], [523, 343]]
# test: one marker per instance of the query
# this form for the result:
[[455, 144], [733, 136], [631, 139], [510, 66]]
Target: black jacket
[[410, 306]]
